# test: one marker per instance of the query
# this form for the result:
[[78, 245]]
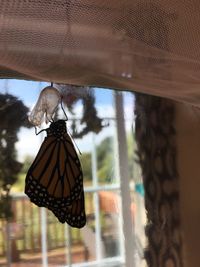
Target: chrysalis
[[45, 107]]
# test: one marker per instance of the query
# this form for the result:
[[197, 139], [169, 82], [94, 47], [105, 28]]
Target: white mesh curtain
[[147, 46]]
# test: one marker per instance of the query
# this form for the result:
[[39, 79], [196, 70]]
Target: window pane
[[114, 195]]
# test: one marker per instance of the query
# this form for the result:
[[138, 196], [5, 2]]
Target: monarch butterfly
[[55, 178]]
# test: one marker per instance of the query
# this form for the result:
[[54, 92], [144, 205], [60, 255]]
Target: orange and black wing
[[55, 178], [74, 214]]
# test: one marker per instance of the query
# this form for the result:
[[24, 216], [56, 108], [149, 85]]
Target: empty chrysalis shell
[[45, 107]]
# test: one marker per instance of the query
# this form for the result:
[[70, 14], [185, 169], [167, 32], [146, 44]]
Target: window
[[114, 234]]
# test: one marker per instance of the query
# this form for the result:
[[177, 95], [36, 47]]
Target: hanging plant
[[13, 114], [89, 120]]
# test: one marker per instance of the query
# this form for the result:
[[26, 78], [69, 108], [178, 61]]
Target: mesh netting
[[146, 46]]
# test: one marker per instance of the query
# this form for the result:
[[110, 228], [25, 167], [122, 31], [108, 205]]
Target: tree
[[13, 114], [27, 163], [86, 164], [105, 160]]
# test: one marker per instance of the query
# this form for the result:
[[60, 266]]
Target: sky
[[28, 92]]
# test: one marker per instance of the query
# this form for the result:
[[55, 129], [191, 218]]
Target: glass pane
[[114, 194], [110, 209]]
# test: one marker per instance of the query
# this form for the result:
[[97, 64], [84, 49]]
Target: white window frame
[[126, 228]]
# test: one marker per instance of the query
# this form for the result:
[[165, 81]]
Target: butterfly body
[[55, 178]]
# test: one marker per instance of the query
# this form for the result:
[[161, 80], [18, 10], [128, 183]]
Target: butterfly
[[55, 178]]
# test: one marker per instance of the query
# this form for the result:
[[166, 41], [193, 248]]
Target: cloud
[[28, 143]]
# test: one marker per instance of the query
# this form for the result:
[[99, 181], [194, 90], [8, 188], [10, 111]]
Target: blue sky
[[28, 92]]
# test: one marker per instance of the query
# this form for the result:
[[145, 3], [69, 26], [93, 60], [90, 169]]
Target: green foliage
[[5, 206], [27, 163], [19, 185], [13, 115], [86, 165], [105, 158], [131, 144], [134, 166]]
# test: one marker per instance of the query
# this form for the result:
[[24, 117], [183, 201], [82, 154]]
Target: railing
[[25, 234], [25, 230], [21, 239]]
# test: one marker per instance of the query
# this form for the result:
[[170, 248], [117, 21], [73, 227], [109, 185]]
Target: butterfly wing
[[74, 214], [55, 178]]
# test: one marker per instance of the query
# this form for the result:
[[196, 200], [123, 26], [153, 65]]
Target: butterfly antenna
[[39, 131], [61, 103], [77, 147], [75, 143], [36, 133]]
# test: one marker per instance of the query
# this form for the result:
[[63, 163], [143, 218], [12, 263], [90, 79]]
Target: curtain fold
[[144, 46]]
